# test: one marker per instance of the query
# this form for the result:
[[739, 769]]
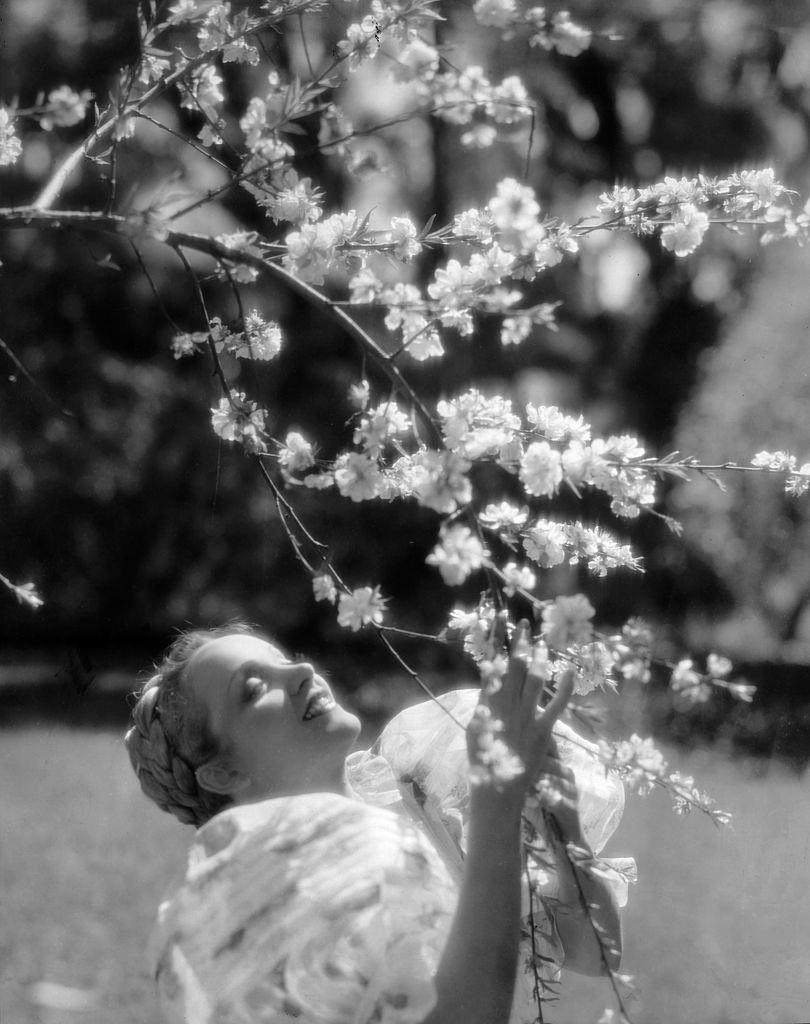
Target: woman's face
[[280, 728]]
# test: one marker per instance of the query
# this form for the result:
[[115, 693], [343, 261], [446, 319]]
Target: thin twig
[[34, 382], [54, 186], [153, 286]]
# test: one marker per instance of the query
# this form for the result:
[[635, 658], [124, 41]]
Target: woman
[[375, 887]]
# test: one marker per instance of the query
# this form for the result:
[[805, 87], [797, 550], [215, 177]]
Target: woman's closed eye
[[254, 688]]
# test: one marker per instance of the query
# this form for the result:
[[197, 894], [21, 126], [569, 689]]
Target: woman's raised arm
[[476, 976]]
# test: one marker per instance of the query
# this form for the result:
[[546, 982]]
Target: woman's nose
[[297, 676]]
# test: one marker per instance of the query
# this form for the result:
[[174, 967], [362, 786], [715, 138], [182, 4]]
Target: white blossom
[[689, 684], [237, 419], [479, 136], [495, 13], [359, 395], [517, 577], [545, 543], [798, 483], [510, 102], [64, 108], [358, 477], [10, 145], [514, 206], [403, 235], [541, 469], [763, 184], [568, 38], [516, 329], [457, 554], [438, 480], [638, 761], [203, 91], [595, 665], [380, 425], [476, 627], [556, 425], [295, 200], [364, 287], [262, 338], [685, 233], [775, 461], [186, 344], [361, 43], [417, 60], [296, 454], [361, 607], [324, 589], [474, 224], [718, 666], [566, 621], [504, 516]]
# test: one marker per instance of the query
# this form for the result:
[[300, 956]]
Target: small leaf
[[715, 479], [428, 225]]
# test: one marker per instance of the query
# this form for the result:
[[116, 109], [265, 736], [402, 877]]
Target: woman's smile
[[276, 719], [319, 703]]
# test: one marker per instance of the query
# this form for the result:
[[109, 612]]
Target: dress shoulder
[[315, 909]]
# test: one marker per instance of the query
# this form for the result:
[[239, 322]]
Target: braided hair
[[170, 737]]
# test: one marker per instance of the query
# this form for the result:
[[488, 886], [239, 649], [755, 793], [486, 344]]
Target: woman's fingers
[[558, 772], [521, 641], [497, 635], [559, 700], [532, 690]]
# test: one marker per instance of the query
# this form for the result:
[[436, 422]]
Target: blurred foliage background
[[131, 516]]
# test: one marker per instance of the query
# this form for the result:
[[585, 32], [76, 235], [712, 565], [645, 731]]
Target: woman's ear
[[216, 778]]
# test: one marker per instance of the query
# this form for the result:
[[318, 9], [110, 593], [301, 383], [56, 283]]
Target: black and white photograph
[[405, 537]]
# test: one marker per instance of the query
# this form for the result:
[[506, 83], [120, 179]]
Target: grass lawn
[[717, 930]]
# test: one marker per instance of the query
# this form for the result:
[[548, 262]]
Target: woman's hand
[[556, 791], [509, 721]]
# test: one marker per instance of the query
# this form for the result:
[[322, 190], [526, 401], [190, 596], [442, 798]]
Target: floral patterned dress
[[321, 909]]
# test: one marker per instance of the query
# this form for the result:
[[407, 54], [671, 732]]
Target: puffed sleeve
[[426, 744], [314, 909], [600, 804]]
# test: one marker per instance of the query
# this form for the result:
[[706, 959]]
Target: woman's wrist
[[503, 804]]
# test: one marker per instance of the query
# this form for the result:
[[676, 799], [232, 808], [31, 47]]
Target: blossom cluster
[[641, 766], [550, 31], [638, 761], [549, 543], [510, 242], [798, 478], [237, 419], [259, 339], [63, 107], [684, 207], [691, 686]]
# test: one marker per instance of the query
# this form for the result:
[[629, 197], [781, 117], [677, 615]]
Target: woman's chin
[[337, 722], [343, 721]]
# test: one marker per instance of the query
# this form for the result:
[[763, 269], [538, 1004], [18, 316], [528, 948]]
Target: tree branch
[[144, 227]]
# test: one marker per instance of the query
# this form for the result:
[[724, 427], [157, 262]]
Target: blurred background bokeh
[[134, 519]]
